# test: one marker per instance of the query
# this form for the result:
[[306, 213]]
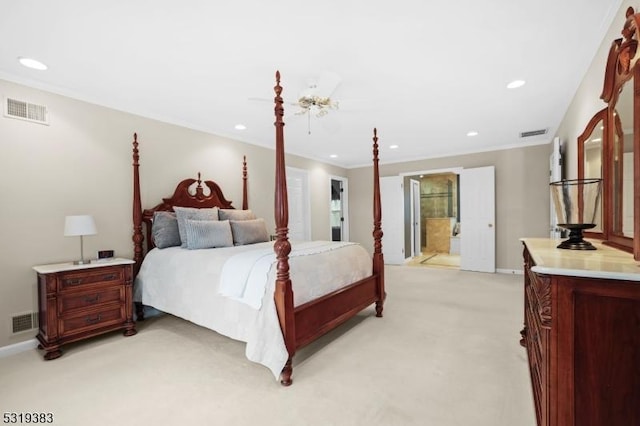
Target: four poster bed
[[333, 281]]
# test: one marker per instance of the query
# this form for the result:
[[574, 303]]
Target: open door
[[416, 228], [477, 220], [392, 200]]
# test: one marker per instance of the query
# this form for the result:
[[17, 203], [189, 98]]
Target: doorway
[[435, 211], [338, 214]]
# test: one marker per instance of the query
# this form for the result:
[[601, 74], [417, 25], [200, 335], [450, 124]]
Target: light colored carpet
[[440, 260], [445, 353]]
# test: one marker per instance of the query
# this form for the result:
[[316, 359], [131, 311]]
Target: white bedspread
[[244, 275], [186, 283]]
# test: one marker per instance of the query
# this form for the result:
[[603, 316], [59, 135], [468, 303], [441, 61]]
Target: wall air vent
[[25, 111], [24, 322], [533, 133]]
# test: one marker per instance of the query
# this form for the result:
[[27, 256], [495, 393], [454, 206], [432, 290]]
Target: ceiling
[[423, 73]]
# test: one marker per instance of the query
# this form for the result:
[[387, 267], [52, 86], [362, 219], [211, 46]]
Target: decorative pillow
[[184, 213], [233, 214], [203, 234], [249, 231], [164, 230]]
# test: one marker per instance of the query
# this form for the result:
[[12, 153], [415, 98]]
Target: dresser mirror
[[622, 163], [621, 141], [590, 152]]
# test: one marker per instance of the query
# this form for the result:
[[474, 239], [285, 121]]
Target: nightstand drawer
[[112, 315], [85, 278], [74, 301]]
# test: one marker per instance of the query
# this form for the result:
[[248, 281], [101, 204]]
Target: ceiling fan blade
[[259, 99], [328, 82]]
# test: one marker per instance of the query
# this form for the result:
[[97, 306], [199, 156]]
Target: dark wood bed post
[[245, 202], [137, 209], [283, 292], [378, 260]]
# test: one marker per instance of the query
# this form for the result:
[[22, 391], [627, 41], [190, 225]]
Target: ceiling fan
[[316, 97]]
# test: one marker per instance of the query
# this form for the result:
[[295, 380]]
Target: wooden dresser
[[81, 301], [582, 334]]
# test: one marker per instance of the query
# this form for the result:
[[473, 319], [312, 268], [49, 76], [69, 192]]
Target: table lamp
[[79, 225]]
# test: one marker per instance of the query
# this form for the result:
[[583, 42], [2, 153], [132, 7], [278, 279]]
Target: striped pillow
[[192, 213], [202, 234]]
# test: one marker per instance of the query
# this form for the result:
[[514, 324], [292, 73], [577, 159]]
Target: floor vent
[[26, 111], [533, 133], [24, 322]]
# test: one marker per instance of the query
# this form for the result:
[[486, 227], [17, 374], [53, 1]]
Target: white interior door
[[477, 220], [416, 229], [299, 204], [392, 200]]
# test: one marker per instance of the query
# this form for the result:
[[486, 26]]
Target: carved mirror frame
[[622, 73], [590, 147]]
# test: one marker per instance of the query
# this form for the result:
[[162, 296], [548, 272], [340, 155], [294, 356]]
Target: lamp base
[[575, 241], [82, 262]]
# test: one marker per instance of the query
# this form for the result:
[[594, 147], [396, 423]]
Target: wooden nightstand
[[81, 301]]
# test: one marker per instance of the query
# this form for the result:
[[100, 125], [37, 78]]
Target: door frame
[[422, 173], [345, 206]]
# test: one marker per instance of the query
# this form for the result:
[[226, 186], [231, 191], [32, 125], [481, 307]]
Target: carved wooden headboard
[[188, 193]]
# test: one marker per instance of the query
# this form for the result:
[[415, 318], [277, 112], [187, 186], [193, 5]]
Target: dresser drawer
[[90, 320], [87, 278], [79, 300]]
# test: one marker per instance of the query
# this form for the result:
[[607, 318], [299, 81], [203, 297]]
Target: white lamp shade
[[79, 225]]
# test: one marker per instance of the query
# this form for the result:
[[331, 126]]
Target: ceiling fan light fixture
[[240, 127], [319, 103], [472, 133]]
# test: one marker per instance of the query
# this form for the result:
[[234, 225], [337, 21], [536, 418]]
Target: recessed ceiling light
[[240, 127], [32, 63], [333, 156], [515, 84], [393, 146], [472, 133]]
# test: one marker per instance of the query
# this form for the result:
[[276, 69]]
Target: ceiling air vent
[[533, 133], [25, 111]]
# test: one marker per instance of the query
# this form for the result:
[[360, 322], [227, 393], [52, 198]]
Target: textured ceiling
[[423, 73]]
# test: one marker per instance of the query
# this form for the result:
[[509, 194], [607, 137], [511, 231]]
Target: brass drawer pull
[[73, 281], [94, 299], [93, 320], [109, 277]]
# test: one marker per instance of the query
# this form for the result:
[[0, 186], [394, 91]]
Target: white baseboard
[[510, 271], [17, 348]]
